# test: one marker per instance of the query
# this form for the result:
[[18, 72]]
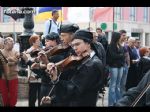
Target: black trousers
[[34, 93], [45, 89]]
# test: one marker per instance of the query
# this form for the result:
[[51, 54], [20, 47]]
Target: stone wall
[[23, 88]]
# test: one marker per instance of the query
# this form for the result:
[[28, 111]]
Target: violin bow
[[140, 95]]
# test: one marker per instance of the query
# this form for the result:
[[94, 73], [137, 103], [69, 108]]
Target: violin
[[70, 62], [56, 50], [67, 63], [52, 51], [140, 95], [34, 53]]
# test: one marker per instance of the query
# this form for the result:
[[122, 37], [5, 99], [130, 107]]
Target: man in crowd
[[102, 38], [52, 25]]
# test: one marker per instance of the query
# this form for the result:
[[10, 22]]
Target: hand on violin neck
[[52, 70], [42, 57], [35, 66]]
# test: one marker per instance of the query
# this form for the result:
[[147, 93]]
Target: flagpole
[[61, 15], [90, 19], [113, 17]]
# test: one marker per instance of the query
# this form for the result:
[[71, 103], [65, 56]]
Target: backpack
[[50, 25]]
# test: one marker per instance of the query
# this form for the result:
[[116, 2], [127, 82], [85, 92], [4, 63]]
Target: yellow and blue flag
[[45, 13]]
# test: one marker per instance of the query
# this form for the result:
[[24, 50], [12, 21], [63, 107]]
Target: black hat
[[52, 36], [69, 28], [84, 35]]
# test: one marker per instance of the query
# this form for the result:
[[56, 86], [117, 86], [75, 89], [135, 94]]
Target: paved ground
[[24, 102]]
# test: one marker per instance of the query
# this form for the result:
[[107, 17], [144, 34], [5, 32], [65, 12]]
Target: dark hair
[[53, 12], [122, 31], [115, 37], [99, 29], [53, 36]]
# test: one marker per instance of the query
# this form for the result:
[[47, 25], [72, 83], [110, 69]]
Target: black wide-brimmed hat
[[84, 35], [69, 28]]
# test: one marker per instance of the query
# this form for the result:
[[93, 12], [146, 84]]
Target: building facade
[[135, 20]]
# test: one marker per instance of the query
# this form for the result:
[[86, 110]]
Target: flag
[[45, 13], [103, 14], [76, 14]]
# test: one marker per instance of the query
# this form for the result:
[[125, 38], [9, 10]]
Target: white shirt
[[55, 26], [17, 47], [92, 54]]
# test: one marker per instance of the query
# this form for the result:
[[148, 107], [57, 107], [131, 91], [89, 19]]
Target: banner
[[76, 14], [103, 14], [45, 13]]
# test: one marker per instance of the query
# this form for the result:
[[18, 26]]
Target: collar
[[92, 54], [146, 57]]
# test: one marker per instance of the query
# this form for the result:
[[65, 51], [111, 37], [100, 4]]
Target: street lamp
[[28, 25]]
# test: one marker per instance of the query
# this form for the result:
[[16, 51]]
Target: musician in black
[[81, 89], [134, 93], [52, 40]]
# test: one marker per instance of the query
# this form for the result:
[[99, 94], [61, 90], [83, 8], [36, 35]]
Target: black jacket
[[143, 67], [134, 92], [100, 51], [82, 87], [115, 57], [102, 39]]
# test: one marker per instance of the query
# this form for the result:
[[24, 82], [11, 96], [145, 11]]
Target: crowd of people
[[71, 67]]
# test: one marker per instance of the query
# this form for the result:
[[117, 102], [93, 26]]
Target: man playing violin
[[52, 40], [81, 86]]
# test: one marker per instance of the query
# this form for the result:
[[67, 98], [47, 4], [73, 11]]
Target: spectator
[[131, 80], [144, 62], [10, 82], [115, 59], [102, 38], [52, 25], [127, 60]]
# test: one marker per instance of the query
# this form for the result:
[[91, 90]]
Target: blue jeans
[[114, 88], [123, 79]]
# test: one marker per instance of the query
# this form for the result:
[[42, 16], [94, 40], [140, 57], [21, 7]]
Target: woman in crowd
[[115, 59]]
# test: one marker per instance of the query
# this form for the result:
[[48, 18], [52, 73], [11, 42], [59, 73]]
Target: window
[[117, 13], [146, 14], [132, 13]]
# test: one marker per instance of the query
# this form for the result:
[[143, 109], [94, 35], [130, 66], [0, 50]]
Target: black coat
[[143, 67], [134, 92], [100, 52], [132, 72], [102, 39], [115, 57], [81, 88]]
